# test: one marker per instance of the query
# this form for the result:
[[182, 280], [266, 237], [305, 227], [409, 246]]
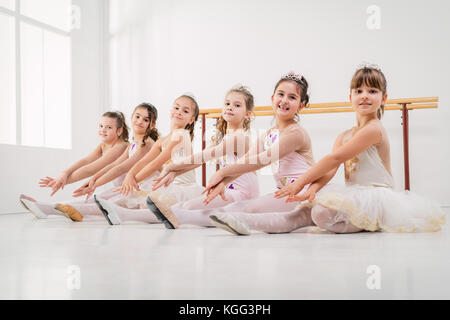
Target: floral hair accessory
[[293, 76]]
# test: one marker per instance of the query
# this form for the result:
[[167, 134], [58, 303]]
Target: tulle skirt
[[382, 209]]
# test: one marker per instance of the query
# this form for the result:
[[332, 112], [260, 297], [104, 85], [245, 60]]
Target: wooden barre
[[337, 110], [337, 104]]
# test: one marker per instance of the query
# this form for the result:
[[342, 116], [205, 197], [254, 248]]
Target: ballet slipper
[[21, 198], [160, 206], [33, 208], [108, 211], [69, 212], [229, 223]]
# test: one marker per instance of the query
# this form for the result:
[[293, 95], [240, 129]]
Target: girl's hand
[[290, 190], [128, 185], [213, 182], [163, 180], [309, 195], [81, 190], [45, 182], [213, 192], [58, 183]]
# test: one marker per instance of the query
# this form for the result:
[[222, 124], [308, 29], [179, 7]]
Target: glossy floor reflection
[[59, 259]]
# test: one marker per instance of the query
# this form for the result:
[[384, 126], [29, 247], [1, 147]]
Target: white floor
[[59, 259]]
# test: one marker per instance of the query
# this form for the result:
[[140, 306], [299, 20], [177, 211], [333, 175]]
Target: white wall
[[160, 49], [22, 167]]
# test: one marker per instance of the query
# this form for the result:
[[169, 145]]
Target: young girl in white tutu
[[231, 142], [367, 201], [113, 133], [143, 122], [138, 182]]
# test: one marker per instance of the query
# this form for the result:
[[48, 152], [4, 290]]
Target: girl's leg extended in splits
[[270, 222], [332, 220]]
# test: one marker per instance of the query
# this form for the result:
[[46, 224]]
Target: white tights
[[195, 212], [284, 222]]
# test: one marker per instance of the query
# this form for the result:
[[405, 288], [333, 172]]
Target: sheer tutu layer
[[382, 209]]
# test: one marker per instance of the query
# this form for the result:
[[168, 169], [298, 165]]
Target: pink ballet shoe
[[162, 212], [69, 212]]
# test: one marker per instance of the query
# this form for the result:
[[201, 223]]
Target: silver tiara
[[190, 95], [293, 76], [241, 87], [367, 65]]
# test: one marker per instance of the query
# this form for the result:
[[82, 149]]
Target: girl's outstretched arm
[[93, 167], [363, 139], [317, 185], [158, 162], [62, 179], [291, 140], [115, 170], [238, 143], [130, 184]]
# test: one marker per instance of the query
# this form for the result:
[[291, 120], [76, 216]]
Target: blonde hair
[[373, 78], [221, 126]]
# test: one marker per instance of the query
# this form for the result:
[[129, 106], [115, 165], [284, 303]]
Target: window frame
[[18, 19]]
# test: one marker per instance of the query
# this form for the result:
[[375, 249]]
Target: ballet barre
[[403, 105]]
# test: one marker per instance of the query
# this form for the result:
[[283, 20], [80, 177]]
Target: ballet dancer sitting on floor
[[138, 183], [286, 146], [367, 202], [113, 133], [231, 142], [143, 122]]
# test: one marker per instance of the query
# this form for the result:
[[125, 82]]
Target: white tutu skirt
[[382, 209]]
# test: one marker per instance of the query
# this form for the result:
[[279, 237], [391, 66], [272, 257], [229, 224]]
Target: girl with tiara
[[113, 133], [143, 121], [286, 146], [232, 141], [137, 184], [367, 202]]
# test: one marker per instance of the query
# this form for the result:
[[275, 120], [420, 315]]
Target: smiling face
[[367, 100], [235, 109], [140, 121], [286, 101], [182, 113], [107, 129]]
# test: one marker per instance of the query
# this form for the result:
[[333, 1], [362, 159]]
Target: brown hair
[[191, 126], [121, 123], [373, 78], [153, 115], [221, 125], [302, 85]]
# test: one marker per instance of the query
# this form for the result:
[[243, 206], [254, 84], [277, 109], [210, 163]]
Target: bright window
[[35, 90]]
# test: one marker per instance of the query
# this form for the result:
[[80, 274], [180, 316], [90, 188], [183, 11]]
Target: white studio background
[[23, 166], [160, 49], [130, 51]]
